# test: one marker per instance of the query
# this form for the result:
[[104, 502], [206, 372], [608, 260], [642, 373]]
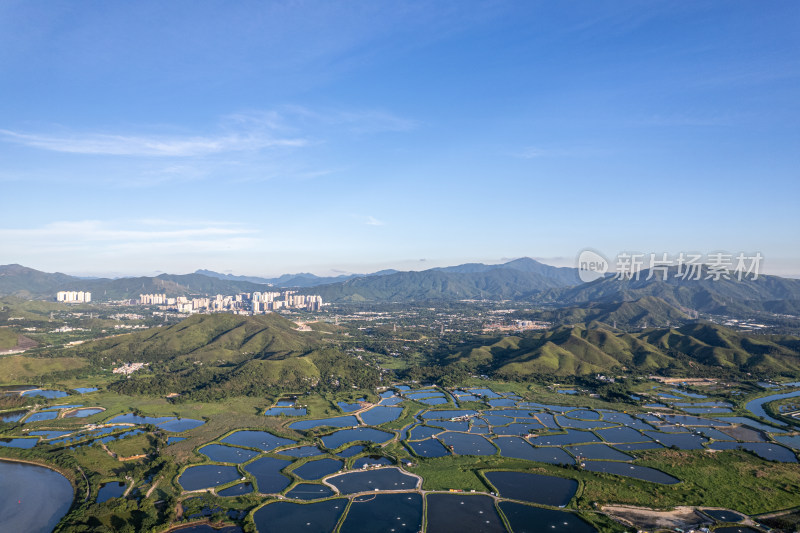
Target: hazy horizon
[[775, 268]]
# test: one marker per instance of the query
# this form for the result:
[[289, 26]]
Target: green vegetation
[[708, 479], [722, 296], [26, 282], [20, 368], [789, 521], [693, 349], [133, 446], [646, 311], [8, 339], [211, 357], [516, 281], [713, 479], [205, 339]]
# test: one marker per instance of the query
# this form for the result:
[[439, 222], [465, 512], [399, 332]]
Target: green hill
[[578, 350], [214, 338], [515, 279], [648, 311], [491, 282], [208, 357], [17, 280], [722, 296], [169, 284]]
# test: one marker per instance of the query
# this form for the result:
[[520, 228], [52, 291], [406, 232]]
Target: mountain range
[[303, 279], [474, 280], [717, 296], [24, 282], [693, 349], [522, 280], [518, 279]]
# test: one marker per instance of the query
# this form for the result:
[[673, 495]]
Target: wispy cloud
[[146, 236], [251, 131], [150, 146], [367, 220], [356, 121], [535, 152], [681, 120]]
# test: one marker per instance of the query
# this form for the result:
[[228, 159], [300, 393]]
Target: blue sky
[[270, 137]]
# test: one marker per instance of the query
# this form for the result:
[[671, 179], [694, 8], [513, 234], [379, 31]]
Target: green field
[[20, 368], [8, 339]]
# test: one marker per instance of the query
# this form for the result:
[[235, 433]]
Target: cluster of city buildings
[[516, 325], [243, 303], [73, 297], [129, 368]]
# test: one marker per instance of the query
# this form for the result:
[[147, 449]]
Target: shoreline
[[49, 467], [54, 469]]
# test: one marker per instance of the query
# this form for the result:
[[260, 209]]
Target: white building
[[74, 296]]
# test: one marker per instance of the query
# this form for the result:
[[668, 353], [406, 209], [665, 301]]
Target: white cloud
[[150, 146], [683, 120], [145, 237], [372, 221], [357, 121], [252, 131], [536, 152]]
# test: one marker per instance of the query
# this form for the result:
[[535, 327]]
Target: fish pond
[[722, 515], [302, 451], [429, 448], [399, 513], [19, 443], [458, 513], [283, 517], [644, 473], [336, 422], [83, 413], [227, 454], [528, 519], [345, 436], [285, 411], [381, 415], [256, 439], [42, 415], [318, 469], [534, 488], [112, 489], [179, 425], [267, 472], [49, 394], [207, 476], [236, 490], [310, 491], [12, 416], [372, 480]]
